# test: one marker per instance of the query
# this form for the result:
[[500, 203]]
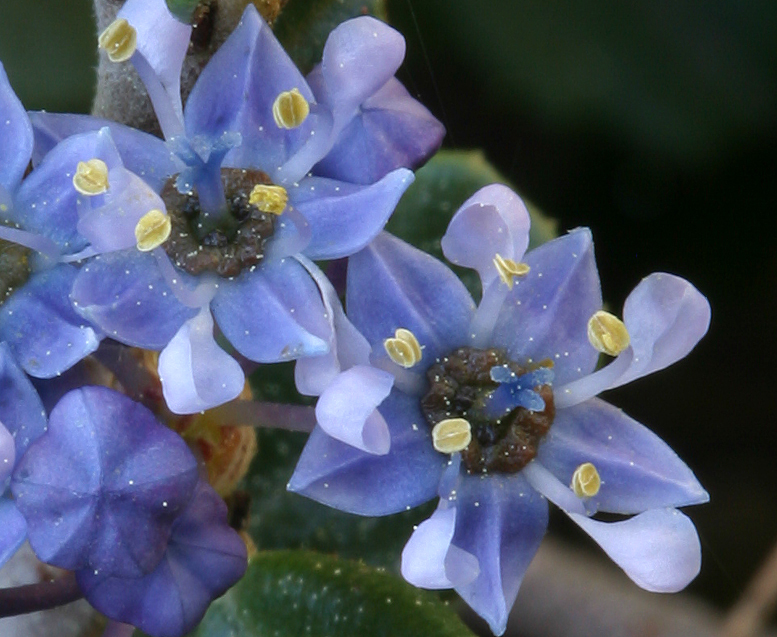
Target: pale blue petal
[[42, 328], [343, 217], [352, 480], [274, 313], [658, 549], [14, 530], [546, 314], [492, 221], [638, 470], [15, 136], [21, 410], [393, 285]]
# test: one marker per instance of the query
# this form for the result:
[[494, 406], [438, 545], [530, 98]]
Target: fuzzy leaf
[[288, 593], [304, 25]]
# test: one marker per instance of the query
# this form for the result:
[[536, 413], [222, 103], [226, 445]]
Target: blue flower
[[249, 136], [37, 239], [492, 407]]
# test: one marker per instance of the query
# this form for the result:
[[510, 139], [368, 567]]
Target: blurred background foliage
[[654, 122]]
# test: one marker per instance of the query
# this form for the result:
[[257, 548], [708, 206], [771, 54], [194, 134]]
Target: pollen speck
[[507, 269], [119, 40], [290, 109], [607, 333], [91, 177], [152, 230], [586, 481], [451, 435]]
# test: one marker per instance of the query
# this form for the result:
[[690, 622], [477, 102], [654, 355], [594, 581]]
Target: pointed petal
[[42, 328], [16, 137], [145, 155], [658, 549], [391, 130], [272, 314], [500, 520], [638, 470], [492, 221], [393, 285], [343, 217], [21, 410], [125, 294], [351, 480], [347, 410], [196, 374], [546, 314], [236, 92]]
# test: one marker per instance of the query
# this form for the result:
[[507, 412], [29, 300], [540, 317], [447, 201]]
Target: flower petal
[[125, 294], [272, 314], [203, 559], [658, 549], [492, 221], [42, 329], [16, 138], [196, 374], [347, 410], [638, 470], [500, 520], [343, 217], [236, 92], [352, 480], [391, 130], [145, 155], [102, 487], [14, 530], [546, 314], [393, 285], [21, 410]]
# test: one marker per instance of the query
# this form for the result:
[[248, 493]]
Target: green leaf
[[440, 187], [183, 9], [292, 593], [304, 25]]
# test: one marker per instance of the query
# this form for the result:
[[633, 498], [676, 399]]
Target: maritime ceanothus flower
[[238, 211], [493, 407]]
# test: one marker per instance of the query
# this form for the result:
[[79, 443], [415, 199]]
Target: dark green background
[[652, 121]]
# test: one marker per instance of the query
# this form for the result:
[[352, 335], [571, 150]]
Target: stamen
[[451, 435], [607, 333], [403, 348], [269, 198], [91, 177], [152, 230], [586, 481], [290, 109], [508, 269], [119, 40]]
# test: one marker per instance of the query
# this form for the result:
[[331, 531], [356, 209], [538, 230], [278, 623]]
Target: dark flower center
[[14, 268], [236, 244], [460, 387]]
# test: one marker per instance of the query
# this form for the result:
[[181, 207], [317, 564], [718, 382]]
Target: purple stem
[[29, 598]]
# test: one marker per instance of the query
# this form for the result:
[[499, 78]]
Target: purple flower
[[101, 489], [493, 407], [37, 242], [239, 251]]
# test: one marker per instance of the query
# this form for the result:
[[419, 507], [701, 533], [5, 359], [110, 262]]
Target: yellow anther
[[119, 40], [152, 230], [586, 481], [91, 177], [403, 348], [508, 269], [290, 109], [607, 333], [451, 435], [268, 198]]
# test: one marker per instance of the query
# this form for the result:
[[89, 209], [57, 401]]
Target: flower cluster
[[142, 277]]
